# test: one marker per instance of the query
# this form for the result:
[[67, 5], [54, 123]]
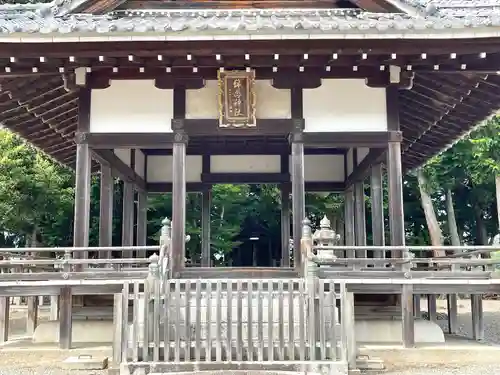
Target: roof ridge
[[54, 8]]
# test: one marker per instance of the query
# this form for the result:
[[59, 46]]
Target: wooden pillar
[[106, 210], [396, 215], [65, 318], [179, 200], [349, 228], [407, 315], [4, 318], [477, 317], [431, 307], [298, 199], [206, 202], [142, 221], [81, 224], [360, 217], [417, 310], [128, 217], [452, 313], [32, 321], [82, 198], [285, 225], [54, 308], [377, 198]]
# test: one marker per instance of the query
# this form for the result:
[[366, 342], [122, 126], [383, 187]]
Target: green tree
[[36, 194]]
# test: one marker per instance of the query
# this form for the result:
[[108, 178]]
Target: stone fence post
[[306, 246], [165, 248]]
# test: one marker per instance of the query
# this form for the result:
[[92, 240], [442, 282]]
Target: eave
[[442, 105]]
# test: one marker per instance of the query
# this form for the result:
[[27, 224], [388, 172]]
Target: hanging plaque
[[236, 99]]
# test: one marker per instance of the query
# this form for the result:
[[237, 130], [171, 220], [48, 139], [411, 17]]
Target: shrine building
[[312, 95]]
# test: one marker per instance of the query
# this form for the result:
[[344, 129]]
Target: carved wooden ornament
[[237, 99]]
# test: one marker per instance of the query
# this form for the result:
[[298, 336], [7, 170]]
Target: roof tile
[[233, 20]]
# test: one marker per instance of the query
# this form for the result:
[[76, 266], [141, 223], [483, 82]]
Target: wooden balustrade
[[192, 322]]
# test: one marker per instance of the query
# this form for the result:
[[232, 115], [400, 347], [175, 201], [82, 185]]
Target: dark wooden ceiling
[[451, 92]]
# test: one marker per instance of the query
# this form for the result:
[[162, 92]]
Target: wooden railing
[[322, 249], [30, 273], [208, 322], [61, 279]]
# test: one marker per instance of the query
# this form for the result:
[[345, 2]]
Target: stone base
[[84, 331], [255, 368], [390, 331], [367, 331], [86, 362]]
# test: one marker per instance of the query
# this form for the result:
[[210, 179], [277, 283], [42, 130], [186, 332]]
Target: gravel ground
[[46, 362], [491, 310], [447, 370], [37, 362]]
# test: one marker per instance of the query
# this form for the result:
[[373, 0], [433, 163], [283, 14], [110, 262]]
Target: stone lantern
[[324, 238]]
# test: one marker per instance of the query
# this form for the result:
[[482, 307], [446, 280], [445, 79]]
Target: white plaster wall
[[131, 106], [245, 164], [123, 154], [350, 165], [139, 162], [271, 103], [323, 168], [361, 153], [344, 105], [160, 168], [203, 103]]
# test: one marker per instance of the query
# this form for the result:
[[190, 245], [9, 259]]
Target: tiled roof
[[435, 15], [456, 8], [332, 21]]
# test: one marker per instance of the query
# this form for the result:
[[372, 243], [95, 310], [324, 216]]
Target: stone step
[[364, 363]]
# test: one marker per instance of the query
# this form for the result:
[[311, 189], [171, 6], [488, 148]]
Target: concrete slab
[[84, 331], [86, 362], [391, 331]]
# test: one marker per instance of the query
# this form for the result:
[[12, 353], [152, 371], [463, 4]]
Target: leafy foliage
[[36, 197]]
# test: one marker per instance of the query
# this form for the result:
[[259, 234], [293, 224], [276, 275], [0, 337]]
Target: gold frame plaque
[[237, 99]]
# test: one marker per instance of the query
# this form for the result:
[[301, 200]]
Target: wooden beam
[[362, 170], [233, 145], [351, 139], [126, 140], [240, 47], [123, 170], [245, 178], [264, 127], [311, 186]]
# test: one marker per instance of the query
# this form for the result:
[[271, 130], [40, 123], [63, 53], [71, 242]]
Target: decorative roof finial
[[324, 223]]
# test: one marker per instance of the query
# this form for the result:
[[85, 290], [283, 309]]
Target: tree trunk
[[452, 221], [481, 232], [497, 190], [430, 215]]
